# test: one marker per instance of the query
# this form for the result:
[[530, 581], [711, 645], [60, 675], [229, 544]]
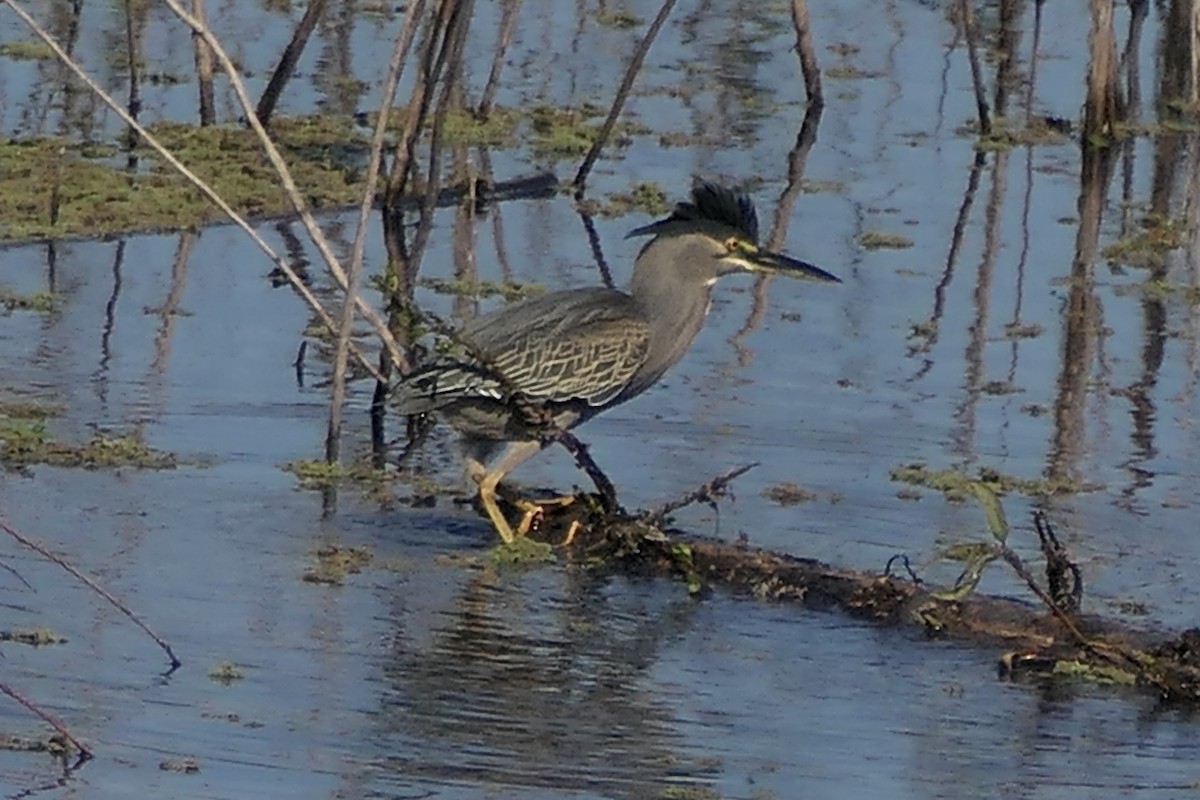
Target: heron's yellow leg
[[487, 496], [488, 479]]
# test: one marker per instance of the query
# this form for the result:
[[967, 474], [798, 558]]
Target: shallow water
[[425, 676]]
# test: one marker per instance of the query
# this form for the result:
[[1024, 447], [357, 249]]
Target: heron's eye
[[734, 244]]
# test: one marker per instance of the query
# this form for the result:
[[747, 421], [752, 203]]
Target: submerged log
[[1032, 639]]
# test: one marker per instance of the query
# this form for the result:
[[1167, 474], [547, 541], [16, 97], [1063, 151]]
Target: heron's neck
[[676, 311]]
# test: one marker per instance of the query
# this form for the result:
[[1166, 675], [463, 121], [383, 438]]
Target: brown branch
[[584, 460], [807, 51], [1032, 640], [204, 71], [51, 720], [635, 65], [508, 21], [589, 227], [970, 33], [338, 395], [291, 56], [707, 493], [7, 527]]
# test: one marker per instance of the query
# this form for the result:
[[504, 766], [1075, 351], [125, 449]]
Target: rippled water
[[430, 676]]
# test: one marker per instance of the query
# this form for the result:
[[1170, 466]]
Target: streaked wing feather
[[592, 361], [584, 344]]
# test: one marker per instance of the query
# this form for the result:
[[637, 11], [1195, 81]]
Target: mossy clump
[[482, 289], [848, 72], [332, 564], [40, 302], [957, 485], [1000, 387], [316, 473], [1018, 330], [647, 197], [566, 132], [26, 442], [55, 745], [226, 672], [53, 188], [1148, 247], [29, 409], [1006, 134], [26, 50], [1161, 289], [498, 129], [35, 637], [521, 552], [617, 18], [789, 494], [880, 240]]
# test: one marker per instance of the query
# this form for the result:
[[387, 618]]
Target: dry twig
[[49, 719], [708, 493], [8, 528]]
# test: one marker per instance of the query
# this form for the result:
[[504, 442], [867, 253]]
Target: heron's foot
[[535, 510], [571, 531]]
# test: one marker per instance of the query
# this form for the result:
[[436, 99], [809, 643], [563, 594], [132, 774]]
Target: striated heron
[[577, 352]]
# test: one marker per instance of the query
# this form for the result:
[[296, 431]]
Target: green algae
[[25, 442], [34, 637], [521, 553], [482, 289], [958, 486], [26, 50], [618, 18], [316, 473], [498, 129], [646, 197], [53, 188], [881, 240], [1148, 247], [567, 132], [333, 564], [1008, 134], [38, 302], [226, 673]]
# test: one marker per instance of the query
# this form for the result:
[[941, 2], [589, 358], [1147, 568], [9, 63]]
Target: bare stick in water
[[635, 66], [403, 39], [8, 528], [50, 719]]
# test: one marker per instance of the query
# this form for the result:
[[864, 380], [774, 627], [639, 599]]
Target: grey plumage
[[580, 351]]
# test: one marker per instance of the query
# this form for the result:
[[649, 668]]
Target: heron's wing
[[579, 345], [590, 356]]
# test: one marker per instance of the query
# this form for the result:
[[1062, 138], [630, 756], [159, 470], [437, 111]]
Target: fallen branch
[[708, 493], [51, 720], [1031, 642], [91, 584]]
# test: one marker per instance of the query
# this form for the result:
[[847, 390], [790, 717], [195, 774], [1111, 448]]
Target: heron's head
[[713, 235]]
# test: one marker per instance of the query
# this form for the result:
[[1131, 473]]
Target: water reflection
[[539, 689]]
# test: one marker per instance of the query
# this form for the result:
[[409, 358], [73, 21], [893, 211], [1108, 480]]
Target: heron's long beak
[[778, 263]]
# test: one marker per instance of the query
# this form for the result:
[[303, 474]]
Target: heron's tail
[[440, 383]]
